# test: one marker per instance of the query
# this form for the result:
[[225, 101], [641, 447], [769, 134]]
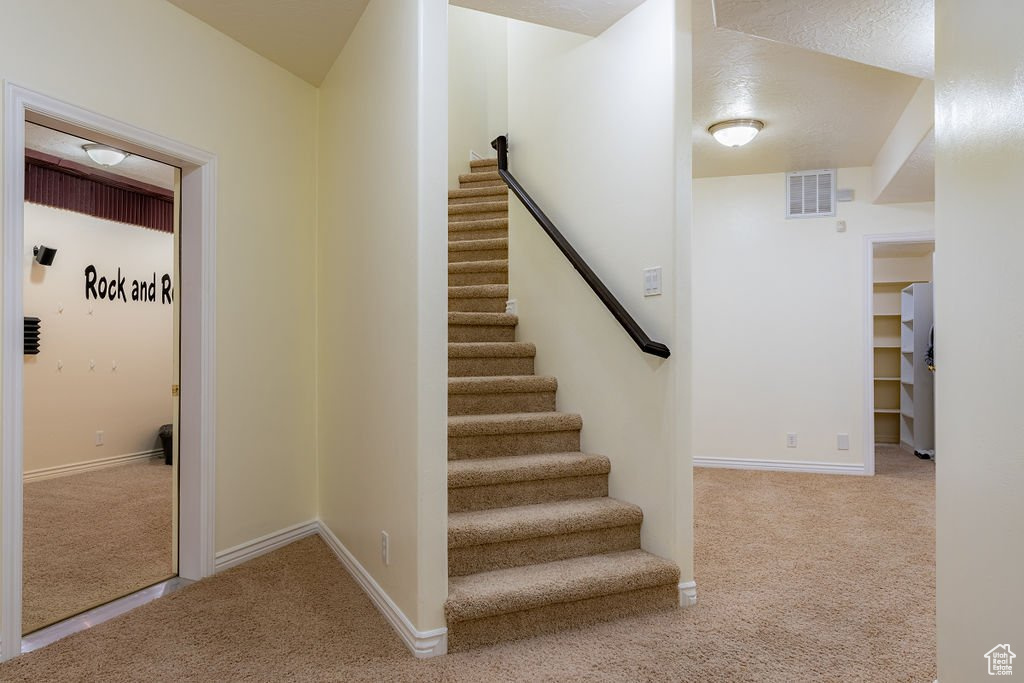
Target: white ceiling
[[915, 181], [892, 34], [820, 111], [589, 17], [69, 147], [303, 36]]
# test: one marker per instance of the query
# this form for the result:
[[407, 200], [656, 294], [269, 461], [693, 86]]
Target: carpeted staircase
[[534, 542]]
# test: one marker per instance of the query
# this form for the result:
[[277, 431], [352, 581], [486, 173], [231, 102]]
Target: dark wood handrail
[[632, 328]]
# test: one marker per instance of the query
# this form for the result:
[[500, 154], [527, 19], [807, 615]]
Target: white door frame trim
[[197, 297], [869, 332]]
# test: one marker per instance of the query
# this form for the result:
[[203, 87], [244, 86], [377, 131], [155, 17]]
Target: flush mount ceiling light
[[104, 155], [737, 132]]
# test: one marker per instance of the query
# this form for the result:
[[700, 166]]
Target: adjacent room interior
[[99, 407]]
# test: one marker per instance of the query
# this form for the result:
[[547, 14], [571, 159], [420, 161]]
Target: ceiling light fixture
[[104, 155], [736, 132]]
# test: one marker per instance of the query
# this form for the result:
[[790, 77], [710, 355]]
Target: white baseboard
[[89, 465], [422, 644], [225, 559], [779, 465], [687, 593]]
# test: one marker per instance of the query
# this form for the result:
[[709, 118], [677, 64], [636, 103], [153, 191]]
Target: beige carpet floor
[[94, 537], [801, 578]]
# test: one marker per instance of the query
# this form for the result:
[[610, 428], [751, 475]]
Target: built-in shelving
[[917, 395]]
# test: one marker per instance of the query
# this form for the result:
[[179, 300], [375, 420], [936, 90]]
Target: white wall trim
[[869, 333], [687, 593], [422, 644], [88, 465], [779, 465], [197, 469], [243, 552]]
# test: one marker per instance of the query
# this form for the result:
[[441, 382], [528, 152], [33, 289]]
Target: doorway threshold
[[97, 615]]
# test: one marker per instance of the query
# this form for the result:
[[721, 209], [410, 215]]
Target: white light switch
[[652, 281], [843, 442]]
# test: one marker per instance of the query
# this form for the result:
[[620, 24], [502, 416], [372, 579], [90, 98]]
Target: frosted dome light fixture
[[105, 155], [736, 132]]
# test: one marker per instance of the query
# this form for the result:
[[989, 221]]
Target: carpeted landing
[[94, 537], [801, 577]]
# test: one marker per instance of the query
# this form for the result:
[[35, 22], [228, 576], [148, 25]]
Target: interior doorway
[[195, 293], [900, 406]]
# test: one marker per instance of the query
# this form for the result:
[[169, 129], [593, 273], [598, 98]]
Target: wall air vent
[[811, 193]]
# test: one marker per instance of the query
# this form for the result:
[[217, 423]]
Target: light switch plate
[[652, 281]]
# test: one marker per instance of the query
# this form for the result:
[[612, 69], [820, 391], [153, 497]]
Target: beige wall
[[65, 406], [979, 173], [171, 74], [477, 86], [575, 104], [382, 298], [779, 306]]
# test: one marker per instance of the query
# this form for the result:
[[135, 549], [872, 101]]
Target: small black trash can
[[166, 439]]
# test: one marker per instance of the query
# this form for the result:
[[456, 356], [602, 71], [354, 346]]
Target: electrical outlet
[[791, 440], [652, 281], [99, 438], [843, 442], [511, 307], [385, 548]]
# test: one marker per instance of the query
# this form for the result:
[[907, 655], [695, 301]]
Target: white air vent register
[[811, 193]]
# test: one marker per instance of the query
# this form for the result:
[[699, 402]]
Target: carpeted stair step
[[490, 358], [507, 604], [478, 194], [481, 179], [509, 394], [486, 483], [482, 165], [478, 250], [478, 298], [478, 273], [495, 436], [481, 327], [478, 210], [486, 229], [485, 540]]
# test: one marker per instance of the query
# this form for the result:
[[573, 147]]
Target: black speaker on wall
[[44, 255], [31, 336]]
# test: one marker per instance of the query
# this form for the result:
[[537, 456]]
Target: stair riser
[[489, 367], [492, 196], [485, 558], [485, 278], [466, 635], [479, 255], [486, 234], [483, 215], [477, 305], [494, 403], [481, 333], [468, 184], [499, 445], [488, 166], [471, 498]]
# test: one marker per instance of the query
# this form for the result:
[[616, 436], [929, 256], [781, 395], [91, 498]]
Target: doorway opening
[[193, 291]]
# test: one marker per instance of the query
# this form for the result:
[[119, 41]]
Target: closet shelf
[[887, 379], [888, 411]]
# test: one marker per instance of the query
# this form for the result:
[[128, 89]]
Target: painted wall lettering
[[113, 288]]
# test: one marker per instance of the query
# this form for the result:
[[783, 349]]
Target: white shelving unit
[[917, 385], [887, 340]]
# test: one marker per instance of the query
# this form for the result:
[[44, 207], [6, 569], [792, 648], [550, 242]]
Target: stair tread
[[486, 161], [477, 224], [489, 319], [478, 292], [513, 423], [518, 468], [494, 266], [491, 350], [503, 591], [502, 384], [478, 207], [485, 191], [478, 176], [498, 525], [478, 245]]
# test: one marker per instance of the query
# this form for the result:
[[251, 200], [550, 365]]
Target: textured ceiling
[[303, 36], [589, 17], [898, 35], [69, 147], [819, 111], [915, 181]]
